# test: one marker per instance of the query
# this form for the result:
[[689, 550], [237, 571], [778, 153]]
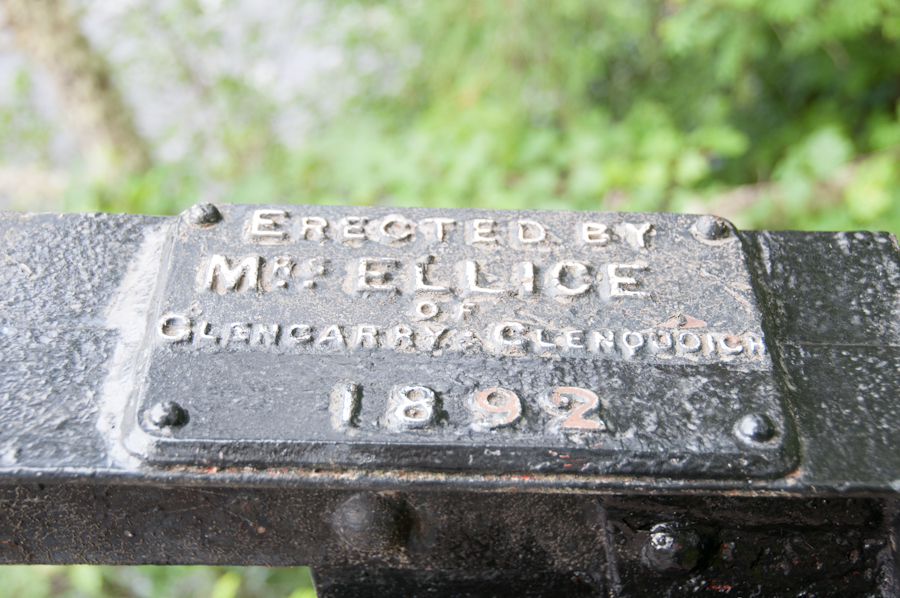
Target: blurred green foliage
[[83, 581], [779, 113]]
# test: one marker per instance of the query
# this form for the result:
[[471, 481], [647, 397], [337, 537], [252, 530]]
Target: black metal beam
[[710, 467]]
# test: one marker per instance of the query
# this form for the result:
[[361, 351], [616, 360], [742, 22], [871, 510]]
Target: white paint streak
[[127, 315]]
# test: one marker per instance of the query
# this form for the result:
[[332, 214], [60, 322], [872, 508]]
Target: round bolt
[[755, 428], [370, 521], [670, 548], [204, 214], [711, 227], [167, 415]]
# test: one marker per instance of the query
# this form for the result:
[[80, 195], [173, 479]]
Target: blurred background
[[772, 113]]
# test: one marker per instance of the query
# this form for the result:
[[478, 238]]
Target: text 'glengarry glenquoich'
[[507, 338]]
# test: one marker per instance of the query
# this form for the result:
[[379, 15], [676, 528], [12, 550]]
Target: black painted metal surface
[[477, 342], [518, 424]]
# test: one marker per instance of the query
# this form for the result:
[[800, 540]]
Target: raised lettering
[[366, 337], [428, 338], [439, 226], [332, 337], [631, 342], [575, 271], [174, 328], [412, 407], [508, 334], [498, 408], [570, 406], [729, 344], [603, 340], [402, 337], [470, 274], [354, 228], [526, 279], [634, 235], [427, 310], [222, 276], [754, 344], [265, 334], [530, 231], [574, 339], [370, 279], [314, 224], [615, 281], [282, 269], [539, 342], [300, 333], [239, 332], [595, 233], [483, 231], [661, 341], [688, 342], [396, 227], [345, 405], [419, 273], [203, 334], [262, 225]]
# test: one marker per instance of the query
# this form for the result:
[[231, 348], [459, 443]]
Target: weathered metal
[[454, 402], [476, 342]]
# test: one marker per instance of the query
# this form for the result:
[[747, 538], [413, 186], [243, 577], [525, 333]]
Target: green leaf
[[691, 167], [87, 579], [827, 149], [873, 188], [722, 139], [227, 586]]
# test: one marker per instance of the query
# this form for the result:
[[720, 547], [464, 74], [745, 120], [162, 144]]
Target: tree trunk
[[48, 32]]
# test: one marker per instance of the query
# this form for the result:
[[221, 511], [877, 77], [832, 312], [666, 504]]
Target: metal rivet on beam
[[203, 214]]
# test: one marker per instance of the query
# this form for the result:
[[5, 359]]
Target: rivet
[[204, 214], [711, 227], [370, 521], [168, 414], [672, 548], [754, 428]]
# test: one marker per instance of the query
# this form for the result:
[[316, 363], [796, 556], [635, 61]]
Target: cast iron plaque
[[459, 340]]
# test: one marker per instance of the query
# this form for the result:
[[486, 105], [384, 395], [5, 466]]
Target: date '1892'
[[415, 407]]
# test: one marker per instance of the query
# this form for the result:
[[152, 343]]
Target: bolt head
[[711, 227], [670, 548], [168, 414], [370, 521], [755, 428], [204, 214]]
